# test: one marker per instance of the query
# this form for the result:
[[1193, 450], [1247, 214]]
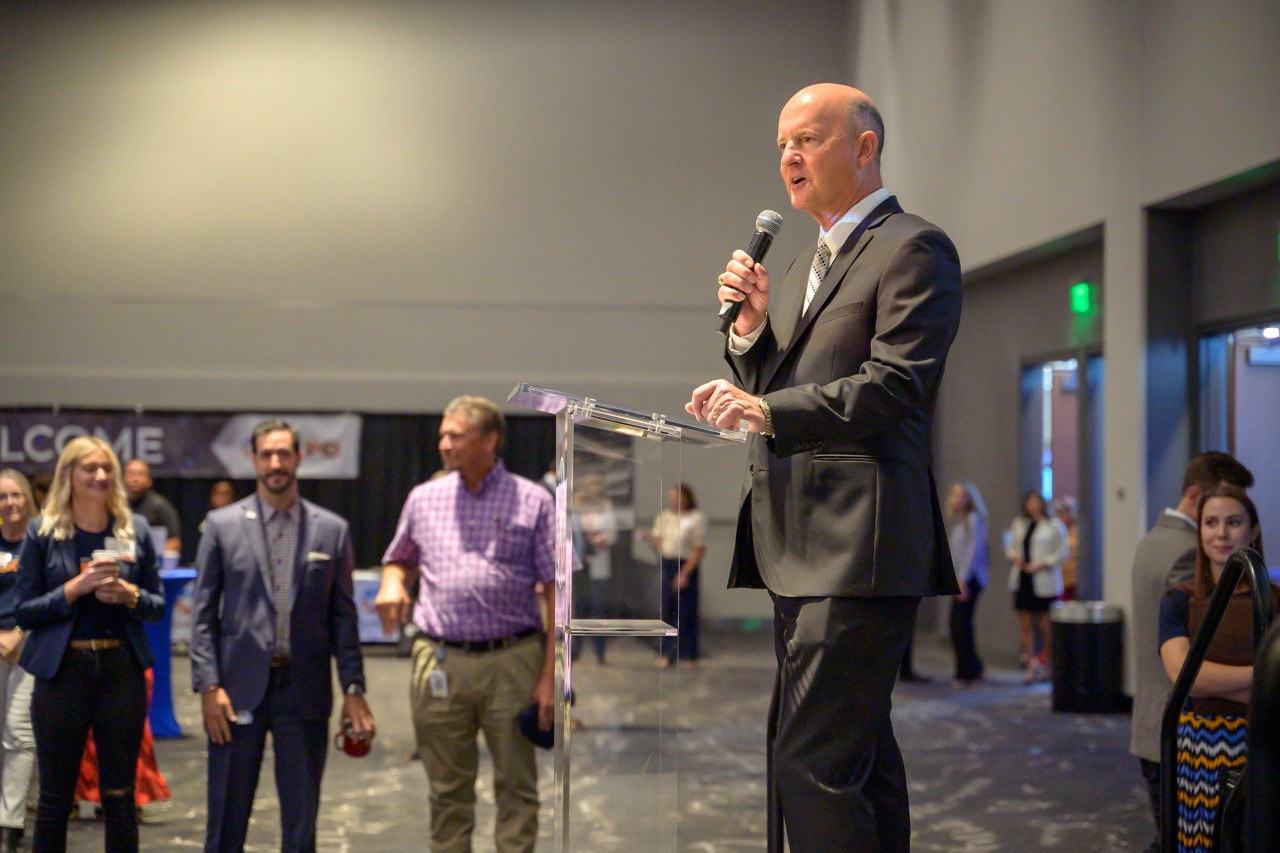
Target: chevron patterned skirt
[[1206, 747]]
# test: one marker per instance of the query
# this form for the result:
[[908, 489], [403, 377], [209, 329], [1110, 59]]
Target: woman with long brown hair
[[1212, 728], [87, 578]]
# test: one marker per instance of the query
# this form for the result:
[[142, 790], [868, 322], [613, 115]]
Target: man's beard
[[289, 480]]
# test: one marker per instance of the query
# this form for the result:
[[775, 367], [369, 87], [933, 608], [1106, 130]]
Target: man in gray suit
[[1166, 556], [836, 375], [272, 605]]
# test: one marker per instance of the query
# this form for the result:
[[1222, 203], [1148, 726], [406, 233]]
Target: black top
[[95, 620], [159, 513], [1026, 540], [8, 582], [1174, 613]]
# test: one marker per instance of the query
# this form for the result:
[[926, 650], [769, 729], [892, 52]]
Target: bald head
[[830, 137], [854, 105], [137, 479]]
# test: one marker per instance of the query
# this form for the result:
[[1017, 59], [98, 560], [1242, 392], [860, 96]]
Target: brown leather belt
[[280, 659], [96, 645]]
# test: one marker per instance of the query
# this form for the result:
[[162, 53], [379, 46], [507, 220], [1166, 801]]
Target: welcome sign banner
[[179, 445]]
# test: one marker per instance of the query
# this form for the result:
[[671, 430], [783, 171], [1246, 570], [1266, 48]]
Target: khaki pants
[[486, 691]]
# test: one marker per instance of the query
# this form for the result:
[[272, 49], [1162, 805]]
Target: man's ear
[[868, 145]]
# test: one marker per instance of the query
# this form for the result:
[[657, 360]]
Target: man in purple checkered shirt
[[479, 541]]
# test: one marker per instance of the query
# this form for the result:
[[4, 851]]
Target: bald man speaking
[[836, 371]]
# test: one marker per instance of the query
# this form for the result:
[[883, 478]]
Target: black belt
[[484, 645], [279, 659]]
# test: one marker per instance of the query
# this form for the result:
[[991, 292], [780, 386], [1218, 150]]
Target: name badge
[[439, 684]]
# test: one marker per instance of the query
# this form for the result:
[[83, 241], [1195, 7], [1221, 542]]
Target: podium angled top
[[622, 420]]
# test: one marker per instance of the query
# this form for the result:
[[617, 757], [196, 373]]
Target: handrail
[[1262, 818], [1241, 561]]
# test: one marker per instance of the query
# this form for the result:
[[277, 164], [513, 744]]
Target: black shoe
[[913, 678], [10, 838]]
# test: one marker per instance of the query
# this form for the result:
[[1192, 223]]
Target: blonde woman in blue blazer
[[87, 580]]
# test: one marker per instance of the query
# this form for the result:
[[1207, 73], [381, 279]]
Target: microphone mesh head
[[770, 222]]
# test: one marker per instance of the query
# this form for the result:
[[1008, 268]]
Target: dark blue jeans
[[680, 609], [591, 601], [968, 664], [108, 691]]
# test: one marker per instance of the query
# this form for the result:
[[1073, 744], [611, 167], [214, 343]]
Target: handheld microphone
[[768, 224]]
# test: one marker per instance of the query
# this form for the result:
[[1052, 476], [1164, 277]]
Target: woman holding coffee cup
[[87, 579]]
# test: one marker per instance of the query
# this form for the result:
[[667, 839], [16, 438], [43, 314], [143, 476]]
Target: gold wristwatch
[[768, 418]]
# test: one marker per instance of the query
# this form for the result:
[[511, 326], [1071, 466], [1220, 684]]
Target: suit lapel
[[255, 535], [70, 559], [789, 326], [306, 545], [835, 275]]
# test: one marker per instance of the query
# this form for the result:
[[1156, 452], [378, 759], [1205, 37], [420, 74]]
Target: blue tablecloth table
[[159, 634]]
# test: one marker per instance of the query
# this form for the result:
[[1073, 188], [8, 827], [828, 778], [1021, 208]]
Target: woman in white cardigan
[[1036, 545]]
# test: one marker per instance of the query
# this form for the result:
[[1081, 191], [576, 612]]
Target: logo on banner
[[330, 445]]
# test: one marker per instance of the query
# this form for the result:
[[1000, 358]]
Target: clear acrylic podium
[[614, 469]]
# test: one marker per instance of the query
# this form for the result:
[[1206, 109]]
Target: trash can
[[1088, 658]]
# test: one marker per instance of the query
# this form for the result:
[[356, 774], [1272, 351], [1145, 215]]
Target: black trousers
[[1151, 776], [836, 778], [968, 664], [108, 691]]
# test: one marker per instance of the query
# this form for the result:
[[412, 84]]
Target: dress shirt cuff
[[739, 344]]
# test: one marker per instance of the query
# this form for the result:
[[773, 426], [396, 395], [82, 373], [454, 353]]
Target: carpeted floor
[[673, 760]]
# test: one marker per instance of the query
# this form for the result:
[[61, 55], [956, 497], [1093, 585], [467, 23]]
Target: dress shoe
[[913, 677]]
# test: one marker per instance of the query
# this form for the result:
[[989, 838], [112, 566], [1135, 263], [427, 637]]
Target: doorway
[[1061, 450], [1239, 399]]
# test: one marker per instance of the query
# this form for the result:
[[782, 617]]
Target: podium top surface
[[620, 419]]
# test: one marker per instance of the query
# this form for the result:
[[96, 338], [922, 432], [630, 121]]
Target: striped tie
[[821, 262]]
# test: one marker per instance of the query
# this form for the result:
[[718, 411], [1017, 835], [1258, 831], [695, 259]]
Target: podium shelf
[[621, 628]]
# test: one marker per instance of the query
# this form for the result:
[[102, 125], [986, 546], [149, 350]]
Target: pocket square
[[317, 556]]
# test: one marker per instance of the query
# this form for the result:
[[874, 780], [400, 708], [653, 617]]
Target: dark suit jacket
[[234, 621], [842, 502], [45, 565]]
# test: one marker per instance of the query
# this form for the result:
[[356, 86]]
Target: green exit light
[[1081, 297]]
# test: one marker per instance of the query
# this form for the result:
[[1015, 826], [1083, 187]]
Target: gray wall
[[1013, 121], [379, 205], [376, 206], [1235, 268]]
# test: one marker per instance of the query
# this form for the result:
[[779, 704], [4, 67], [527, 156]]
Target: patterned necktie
[[821, 262]]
